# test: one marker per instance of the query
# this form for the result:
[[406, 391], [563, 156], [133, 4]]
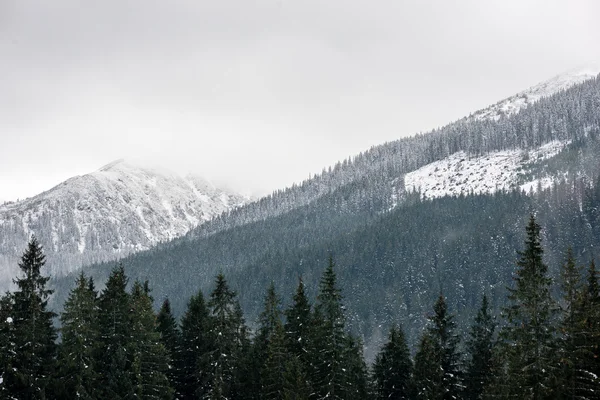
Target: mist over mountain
[[441, 211], [119, 209]]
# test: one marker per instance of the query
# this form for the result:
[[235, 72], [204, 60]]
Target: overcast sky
[[259, 93]]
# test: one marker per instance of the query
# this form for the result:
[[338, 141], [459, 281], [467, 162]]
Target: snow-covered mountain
[[527, 97], [118, 209]]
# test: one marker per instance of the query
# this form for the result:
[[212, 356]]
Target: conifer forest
[[112, 344]]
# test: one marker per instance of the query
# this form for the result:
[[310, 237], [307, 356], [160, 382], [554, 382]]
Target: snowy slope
[[521, 100], [458, 174], [117, 209]]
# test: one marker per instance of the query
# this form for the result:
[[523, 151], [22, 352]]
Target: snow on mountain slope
[[521, 100], [459, 174], [115, 210]]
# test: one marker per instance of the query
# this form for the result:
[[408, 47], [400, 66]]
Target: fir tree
[[273, 372], [150, 360], [170, 337], [298, 331], [226, 336], [428, 375], [528, 335], [193, 363], [114, 338], [480, 348], [7, 341], [33, 361], [590, 334], [393, 367], [77, 367], [442, 331]]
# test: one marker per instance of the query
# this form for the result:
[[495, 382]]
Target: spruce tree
[[427, 375], [150, 360], [442, 330], [590, 335], [298, 330], [33, 360], [77, 369], [329, 338], [393, 367], [269, 320], [193, 359], [226, 336], [527, 338], [170, 337], [115, 338], [273, 371], [480, 348], [7, 341], [332, 350]]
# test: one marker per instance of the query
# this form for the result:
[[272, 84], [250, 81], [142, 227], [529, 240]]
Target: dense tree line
[[114, 346]]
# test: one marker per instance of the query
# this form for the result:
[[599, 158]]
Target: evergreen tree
[[480, 347], [332, 351], [170, 338], [150, 360], [589, 342], [193, 363], [442, 331], [393, 367], [114, 338], [33, 361], [298, 331], [273, 372], [428, 375], [7, 341], [77, 370], [226, 336], [528, 335]]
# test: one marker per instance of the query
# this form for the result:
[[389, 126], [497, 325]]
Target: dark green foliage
[[170, 337], [393, 368], [150, 359], [114, 339], [226, 337], [479, 348], [77, 370], [192, 362], [7, 340], [528, 337], [298, 329], [31, 359], [442, 331], [428, 376], [273, 375]]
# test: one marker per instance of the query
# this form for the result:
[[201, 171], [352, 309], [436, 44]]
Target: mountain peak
[[514, 104]]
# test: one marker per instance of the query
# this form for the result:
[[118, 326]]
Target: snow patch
[[460, 174]]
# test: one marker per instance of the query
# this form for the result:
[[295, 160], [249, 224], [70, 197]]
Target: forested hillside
[[395, 249]]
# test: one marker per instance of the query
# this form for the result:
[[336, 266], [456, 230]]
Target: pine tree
[[33, 361], [442, 331], [480, 348], [226, 336], [114, 339], [428, 375], [273, 371], [589, 342], [7, 341], [77, 367], [170, 337], [332, 350], [298, 331], [192, 361], [150, 360], [269, 320], [527, 338], [393, 367]]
